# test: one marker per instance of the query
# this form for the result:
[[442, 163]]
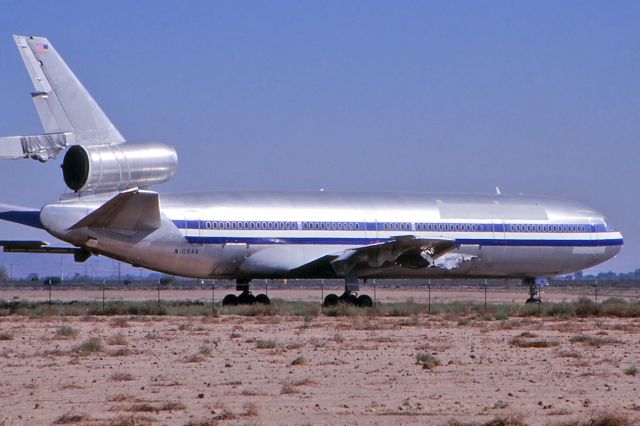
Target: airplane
[[243, 235]]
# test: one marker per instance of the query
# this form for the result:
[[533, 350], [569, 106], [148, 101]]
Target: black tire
[[364, 301], [349, 298], [330, 300], [246, 298], [531, 301], [263, 298], [230, 300]]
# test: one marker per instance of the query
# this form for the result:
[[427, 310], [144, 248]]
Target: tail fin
[[63, 104]]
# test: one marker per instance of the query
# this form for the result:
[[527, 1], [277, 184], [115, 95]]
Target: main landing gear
[[245, 297], [349, 296]]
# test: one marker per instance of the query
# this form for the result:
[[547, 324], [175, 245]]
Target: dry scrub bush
[[128, 421], [427, 361], [300, 361], [593, 340], [265, 344], [194, 358], [66, 331], [121, 352], [71, 418], [121, 377], [89, 346], [522, 342], [123, 397], [117, 340], [6, 336]]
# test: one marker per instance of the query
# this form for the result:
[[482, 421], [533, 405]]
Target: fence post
[[49, 296], [158, 293], [213, 297], [596, 292], [102, 297], [429, 289], [485, 296], [375, 294]]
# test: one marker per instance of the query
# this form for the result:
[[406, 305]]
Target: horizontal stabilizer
[[21, 215], [80, 255], [36, 147], [132, 210]]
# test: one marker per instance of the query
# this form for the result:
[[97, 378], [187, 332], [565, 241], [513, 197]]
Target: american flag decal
[[42, 48]]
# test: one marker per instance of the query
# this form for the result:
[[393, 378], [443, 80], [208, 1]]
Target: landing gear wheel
[[263, 298], [532, 300], [330, 300], [348, 298], [230, 300], [364, 301], [246, 298]]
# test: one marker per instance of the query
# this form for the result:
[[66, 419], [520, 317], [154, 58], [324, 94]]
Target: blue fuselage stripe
[[366, 241]]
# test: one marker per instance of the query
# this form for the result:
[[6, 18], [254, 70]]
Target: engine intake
[[119, 166]]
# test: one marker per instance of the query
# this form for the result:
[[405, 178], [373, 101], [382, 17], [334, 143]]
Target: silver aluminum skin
[[245, 235], [157, 250]]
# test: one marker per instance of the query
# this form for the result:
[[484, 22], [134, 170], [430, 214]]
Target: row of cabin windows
[[468, 227], [251, 225], [548, 228], [331, 226], [394, 226]]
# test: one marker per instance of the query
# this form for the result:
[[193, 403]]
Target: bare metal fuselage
[[244, 235]]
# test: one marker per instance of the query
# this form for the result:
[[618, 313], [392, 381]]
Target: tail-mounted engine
[[118, 166]]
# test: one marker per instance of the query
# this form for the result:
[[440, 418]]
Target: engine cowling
[[118, 166]]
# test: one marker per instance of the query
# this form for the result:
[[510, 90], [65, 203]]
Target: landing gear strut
[[534, 291], [349, 296], [245, 297]]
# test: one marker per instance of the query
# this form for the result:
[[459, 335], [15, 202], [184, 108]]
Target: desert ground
[[317, 369]]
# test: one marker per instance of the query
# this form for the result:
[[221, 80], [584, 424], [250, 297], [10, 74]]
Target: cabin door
[[192, 226], [370, 227]]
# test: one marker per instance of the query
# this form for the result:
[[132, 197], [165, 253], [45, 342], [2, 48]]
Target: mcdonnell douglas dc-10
[[275, 235]]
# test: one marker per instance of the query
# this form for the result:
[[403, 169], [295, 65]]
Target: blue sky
[[536, 97]]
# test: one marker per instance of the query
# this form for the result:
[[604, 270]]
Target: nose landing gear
[[534, 289]]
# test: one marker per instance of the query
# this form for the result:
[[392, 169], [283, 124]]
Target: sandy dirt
[[238, 370]]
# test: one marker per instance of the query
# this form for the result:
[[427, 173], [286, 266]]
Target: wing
[[407, 251], [79, 254]]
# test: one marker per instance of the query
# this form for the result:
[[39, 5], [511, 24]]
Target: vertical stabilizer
[[63, 104]]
